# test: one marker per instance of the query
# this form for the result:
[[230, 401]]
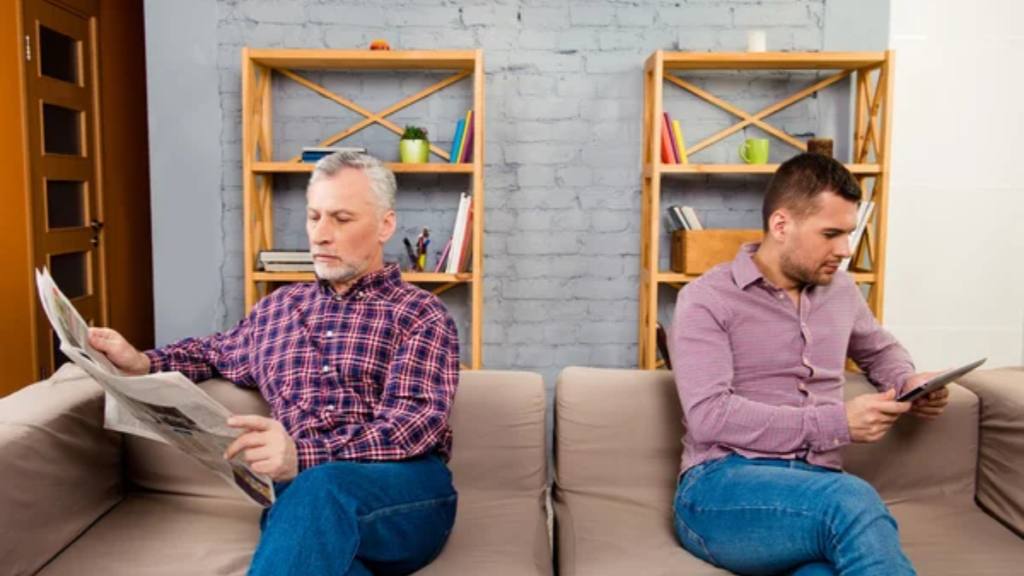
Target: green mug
[[755, 151]]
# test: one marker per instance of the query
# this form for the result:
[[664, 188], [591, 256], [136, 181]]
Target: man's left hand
[[931, 405], [268, 447]]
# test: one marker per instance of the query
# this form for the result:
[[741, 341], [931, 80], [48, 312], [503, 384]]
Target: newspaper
[[166, 407]]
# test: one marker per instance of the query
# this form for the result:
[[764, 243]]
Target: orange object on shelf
[[379, 44]]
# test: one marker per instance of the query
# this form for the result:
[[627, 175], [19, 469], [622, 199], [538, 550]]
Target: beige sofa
[[617, 450], [78, 500]]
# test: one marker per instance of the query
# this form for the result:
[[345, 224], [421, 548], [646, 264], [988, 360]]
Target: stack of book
[[315, 153], [673, 149], [864, 213], [462, 144], [455, 257], [684, 218], [286, 261]]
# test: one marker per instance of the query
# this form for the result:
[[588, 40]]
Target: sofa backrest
[[59, 469], [497, 420], [499, 432], [921, 459], [618, 436], [156, 467]]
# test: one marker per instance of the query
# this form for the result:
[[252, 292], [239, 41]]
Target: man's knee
[[856, 500]]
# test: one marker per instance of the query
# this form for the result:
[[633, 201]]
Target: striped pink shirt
[[759, 378]]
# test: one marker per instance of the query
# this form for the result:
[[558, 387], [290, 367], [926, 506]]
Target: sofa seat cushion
[[956, 538], [497, 534], [157, 535], [613, 537]]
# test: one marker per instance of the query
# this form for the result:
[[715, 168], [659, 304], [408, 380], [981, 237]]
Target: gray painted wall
[[185, 163], [564, 105]]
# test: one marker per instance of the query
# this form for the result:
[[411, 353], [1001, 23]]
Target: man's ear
[[780, 223], [387, 226]]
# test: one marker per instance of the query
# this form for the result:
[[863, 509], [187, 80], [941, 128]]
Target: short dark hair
[[799, 180]]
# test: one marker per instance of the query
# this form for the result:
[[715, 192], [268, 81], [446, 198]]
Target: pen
[[409, 252]]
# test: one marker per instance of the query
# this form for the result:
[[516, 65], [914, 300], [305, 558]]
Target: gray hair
[[382, 179]]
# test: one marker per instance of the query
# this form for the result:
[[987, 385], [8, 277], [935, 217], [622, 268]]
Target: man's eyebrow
[[840, 230]]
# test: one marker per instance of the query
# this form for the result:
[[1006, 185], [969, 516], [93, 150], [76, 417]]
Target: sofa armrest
[[1001, 462], [60, 469]]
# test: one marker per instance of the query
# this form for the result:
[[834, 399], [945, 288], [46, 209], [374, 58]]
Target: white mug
[[757, 41]]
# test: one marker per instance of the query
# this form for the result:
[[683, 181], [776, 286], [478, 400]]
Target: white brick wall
[[564, 105]]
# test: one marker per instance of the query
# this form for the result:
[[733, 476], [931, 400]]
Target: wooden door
[[63, 154]]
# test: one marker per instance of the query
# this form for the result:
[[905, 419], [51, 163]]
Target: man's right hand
[[119, 351], [870, 416]]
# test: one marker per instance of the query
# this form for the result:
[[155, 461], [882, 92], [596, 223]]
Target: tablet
[[939, 381]]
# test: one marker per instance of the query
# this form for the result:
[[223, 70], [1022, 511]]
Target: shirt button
[[802, 387], [337, 297], [330, 407], [326, 369], [780, 295], [330, 333], [835, 442], [807, 361]]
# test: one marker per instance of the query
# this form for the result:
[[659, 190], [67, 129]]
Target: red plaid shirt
[[369, 374]]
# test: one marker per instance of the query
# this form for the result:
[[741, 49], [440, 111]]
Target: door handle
[[96, 226]]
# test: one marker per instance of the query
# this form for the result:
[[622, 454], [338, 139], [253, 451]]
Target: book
[[467, 237], [465, 131], [671, 137], [285, 256], [457, 141], [458, 235], [666, 144], [677, 131], [467, 152], [690, 215], [864, 213], [676, 218], [442, 262], [315, 153], [288, 267]]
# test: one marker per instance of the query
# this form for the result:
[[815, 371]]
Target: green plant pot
[[414, 151]]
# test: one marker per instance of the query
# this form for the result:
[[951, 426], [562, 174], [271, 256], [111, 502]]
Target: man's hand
[[119, 351], [268, 447], [870, 416], [931, 406]]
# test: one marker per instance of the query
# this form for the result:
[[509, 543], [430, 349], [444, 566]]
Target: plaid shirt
[[369, 374]]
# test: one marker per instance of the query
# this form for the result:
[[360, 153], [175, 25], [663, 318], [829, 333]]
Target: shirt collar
[[744, 271], [378, 281]]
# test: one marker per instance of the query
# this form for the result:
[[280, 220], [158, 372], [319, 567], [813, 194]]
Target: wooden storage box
[[697, 251]]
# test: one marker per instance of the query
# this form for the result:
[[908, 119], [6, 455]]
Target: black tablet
[[939, 381]]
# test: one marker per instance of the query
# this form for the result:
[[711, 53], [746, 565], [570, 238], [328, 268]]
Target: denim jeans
[[763, 517], [358, 519]]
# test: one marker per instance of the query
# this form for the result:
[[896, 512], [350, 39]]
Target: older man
[[360, 370], [759, 347]]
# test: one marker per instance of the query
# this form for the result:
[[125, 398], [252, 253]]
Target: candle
[[757, 41]]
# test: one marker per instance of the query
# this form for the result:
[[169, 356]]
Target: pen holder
[[697, 251]]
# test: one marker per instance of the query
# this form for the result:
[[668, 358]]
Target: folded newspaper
[[166, 407]]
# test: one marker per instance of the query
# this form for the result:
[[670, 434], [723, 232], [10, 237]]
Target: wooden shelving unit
[[259, 165], [871, 73]]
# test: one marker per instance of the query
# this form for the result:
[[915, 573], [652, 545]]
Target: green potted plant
[[414, 146]]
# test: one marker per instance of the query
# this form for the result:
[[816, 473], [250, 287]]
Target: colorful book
[[467, 244], [456, 141], [465, 131], [671, 138], [467, 154], [666, 144], [442, 262], [677, 131]]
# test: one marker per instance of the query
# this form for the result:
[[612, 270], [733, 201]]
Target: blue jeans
[[358, 519], [763, 517]]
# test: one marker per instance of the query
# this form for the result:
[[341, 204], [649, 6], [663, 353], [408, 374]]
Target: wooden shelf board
[[771, 60], [416, 277], [747, 168], [366, 59], [396, 167]]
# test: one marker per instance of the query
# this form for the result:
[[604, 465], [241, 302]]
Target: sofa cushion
[[921, 459], [617, 448], [943, 537], [160, 534], [60, 469], [499, 465]]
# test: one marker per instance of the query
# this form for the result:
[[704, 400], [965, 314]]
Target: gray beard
[[339, 274]]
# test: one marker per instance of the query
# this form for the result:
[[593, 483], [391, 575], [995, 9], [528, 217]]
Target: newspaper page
[[166, 407]]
